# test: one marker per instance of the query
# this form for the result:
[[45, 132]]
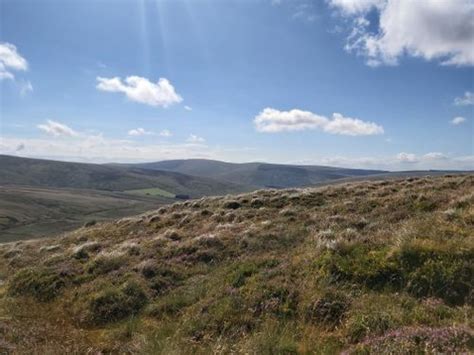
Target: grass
[[155, 191], [366, 267]]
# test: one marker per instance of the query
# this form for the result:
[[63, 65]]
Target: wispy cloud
[[57, 129], [188, 108], [195, 139], [142, 90], [272, 121], [430, 29], [458, 120], [25, 88], [467, 99], [400, 161], [139, 132], [166, 133], [407, 158]]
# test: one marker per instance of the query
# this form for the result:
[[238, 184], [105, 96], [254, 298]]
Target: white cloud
[[142, 90], [4, 74], [467, 99], [25, 88], [352, 7], [407, 158], [165, 133], [99, 148], [139, 132], [458, 120], [271, 121], [10, 59], [401, 161], [430, 29], [188, 108], [57, 129], [434, 156], [195, 139]]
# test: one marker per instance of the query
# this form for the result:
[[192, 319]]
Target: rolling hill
[[374, 267], [262, 175], [35, 212], [59, 174], [44, 197]]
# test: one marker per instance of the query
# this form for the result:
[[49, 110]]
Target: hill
[[260, 175], [382, 267], [59, 174], [32, 212], [44, 197]]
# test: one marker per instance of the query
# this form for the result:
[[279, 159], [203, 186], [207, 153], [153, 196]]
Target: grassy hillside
[[31, 212], [364, 267], [57, 174], [258, 174]]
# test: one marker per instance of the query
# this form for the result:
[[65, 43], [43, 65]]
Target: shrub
[[232, 205], [111, 303], [41, 283], [90, 223]]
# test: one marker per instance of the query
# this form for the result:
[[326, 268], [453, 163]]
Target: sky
[[386, 84]]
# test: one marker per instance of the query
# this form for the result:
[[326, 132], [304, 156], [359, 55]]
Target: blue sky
[[331, 82]]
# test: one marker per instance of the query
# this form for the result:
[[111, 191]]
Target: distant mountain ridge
[[59, 174], [256, 174]]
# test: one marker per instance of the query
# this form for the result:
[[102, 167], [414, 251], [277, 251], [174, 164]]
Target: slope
[[258, 174], [58, 174], [376, 267]]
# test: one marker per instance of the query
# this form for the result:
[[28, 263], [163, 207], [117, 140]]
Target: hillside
[[258, 174], [58, 174], [32, 212], [380, 267]]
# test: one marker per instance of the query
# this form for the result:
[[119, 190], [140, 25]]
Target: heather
[[364, 267]]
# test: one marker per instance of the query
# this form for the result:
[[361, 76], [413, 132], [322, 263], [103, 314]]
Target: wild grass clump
[[112, 303], [43, 284], [329, 309], [83, 251], [105, 263], [360, 264], [242, 272], [441, 270]]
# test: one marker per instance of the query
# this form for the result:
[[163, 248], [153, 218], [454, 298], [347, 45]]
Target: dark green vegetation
[[258, 175], [154, 191], [364, 267]]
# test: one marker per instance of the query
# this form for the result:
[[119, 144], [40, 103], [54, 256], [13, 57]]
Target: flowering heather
[[415, 340]]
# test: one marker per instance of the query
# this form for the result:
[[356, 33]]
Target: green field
[[154, 191]]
